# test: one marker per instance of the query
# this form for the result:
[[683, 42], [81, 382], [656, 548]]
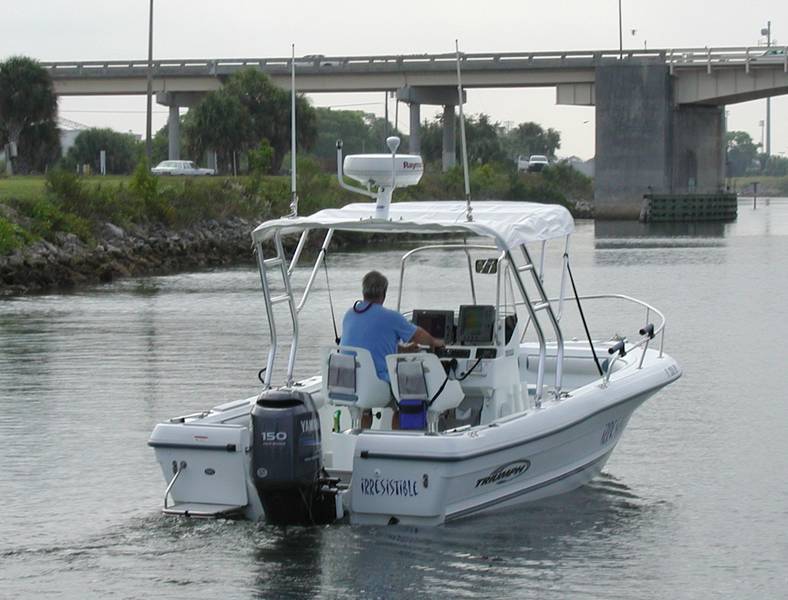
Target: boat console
[[438, 323], [475, 325], [475, 358], [473, 336]]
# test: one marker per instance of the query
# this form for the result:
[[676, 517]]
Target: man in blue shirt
[[380, 330]]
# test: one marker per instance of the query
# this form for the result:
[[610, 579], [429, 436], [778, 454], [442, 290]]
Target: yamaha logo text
[[309, 425]]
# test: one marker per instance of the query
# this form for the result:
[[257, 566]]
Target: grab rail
[[196, 415], [179, 468], [649, 331]]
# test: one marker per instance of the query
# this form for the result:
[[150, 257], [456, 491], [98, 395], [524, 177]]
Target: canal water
[[692, 504]]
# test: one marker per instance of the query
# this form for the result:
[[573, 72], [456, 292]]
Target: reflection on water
[[691, 504], [694, 232]]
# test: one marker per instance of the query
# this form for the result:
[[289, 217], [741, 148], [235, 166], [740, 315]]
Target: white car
[[537, 162], [180, 167]]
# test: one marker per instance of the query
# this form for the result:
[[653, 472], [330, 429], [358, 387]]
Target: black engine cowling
[[286, 462]]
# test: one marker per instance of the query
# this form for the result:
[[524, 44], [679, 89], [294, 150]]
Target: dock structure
[[663, 208]]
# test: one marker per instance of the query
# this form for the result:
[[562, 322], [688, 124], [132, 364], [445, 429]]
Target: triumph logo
[[505, 473]]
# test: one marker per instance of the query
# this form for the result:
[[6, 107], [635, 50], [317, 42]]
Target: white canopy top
[[508, 223]]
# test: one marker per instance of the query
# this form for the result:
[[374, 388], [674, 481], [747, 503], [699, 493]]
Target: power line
[[355, 104], [115, 112], [164, 112]]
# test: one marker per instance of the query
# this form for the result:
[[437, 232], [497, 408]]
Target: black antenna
[[468, 209], [293, 192]]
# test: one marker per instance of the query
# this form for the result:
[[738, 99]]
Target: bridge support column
[[698, 149], [647, 144], [175, 100], [633, 136], [445, 96], [449, 144], [414, 146], [174, 133]]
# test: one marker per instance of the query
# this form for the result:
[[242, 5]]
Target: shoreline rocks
[[68, 262], [137, 251]]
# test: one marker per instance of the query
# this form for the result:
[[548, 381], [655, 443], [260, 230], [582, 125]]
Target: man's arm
[[423, 338]]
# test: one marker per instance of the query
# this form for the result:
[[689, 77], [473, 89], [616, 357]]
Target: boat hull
[[413, 478], [510, 469]]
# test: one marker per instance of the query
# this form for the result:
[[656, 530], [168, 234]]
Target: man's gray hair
[[374, 286]]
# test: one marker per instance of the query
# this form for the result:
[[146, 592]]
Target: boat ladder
[[277, 266], [540, 303]]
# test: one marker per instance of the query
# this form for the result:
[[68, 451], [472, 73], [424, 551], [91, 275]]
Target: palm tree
[[27, 97]]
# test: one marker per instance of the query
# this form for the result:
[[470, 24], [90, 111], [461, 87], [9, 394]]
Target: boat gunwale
[[366, 454]]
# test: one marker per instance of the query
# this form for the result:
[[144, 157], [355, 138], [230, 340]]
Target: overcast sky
[[117, 29]]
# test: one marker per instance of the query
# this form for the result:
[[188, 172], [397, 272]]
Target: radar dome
[[377, 169]]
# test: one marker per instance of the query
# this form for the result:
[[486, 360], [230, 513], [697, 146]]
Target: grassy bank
[[767, 186], [44, 208]]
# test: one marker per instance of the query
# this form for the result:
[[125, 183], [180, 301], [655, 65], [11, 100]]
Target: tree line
[[246, 123], [745, 157], [28, 112]]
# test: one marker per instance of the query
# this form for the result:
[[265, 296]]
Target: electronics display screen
[[476, 324], [438, 323]]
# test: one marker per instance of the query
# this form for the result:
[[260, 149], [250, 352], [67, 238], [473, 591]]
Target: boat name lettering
[[388, 487], [414, 166], [505, 473], [610, 430], [309, 425], [274, 436]]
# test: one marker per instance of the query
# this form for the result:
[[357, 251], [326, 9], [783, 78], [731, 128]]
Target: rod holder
[[648, 330], [618, 347]]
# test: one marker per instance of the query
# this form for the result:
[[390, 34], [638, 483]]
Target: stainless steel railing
[[644, 341]]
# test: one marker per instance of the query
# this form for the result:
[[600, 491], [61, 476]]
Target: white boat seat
[[434, 376], [350, 379]]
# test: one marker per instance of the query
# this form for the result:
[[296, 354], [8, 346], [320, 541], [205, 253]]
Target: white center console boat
[[508, 412]]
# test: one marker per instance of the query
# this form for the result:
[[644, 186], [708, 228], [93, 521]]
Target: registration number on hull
[[611, 429]]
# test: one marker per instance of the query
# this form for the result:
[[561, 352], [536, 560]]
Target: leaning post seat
[[432, 374], [350, 379]]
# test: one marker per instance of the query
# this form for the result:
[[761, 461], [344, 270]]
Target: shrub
[[93, 203], [12, 236], [47, 219], [145, 187]]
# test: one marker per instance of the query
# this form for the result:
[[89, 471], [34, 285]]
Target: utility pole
[[620, 34], [386, 127], [767, 31], [768, 100], [148, 112]]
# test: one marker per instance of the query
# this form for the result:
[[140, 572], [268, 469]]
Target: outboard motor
[[286, 461]]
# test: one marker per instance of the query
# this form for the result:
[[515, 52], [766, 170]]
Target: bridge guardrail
[[674, 57], [727, 56]]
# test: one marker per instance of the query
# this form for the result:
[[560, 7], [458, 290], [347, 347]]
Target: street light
[[149, 109], [767, 31]]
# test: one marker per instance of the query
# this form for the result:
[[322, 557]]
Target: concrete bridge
[[659, 113]]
